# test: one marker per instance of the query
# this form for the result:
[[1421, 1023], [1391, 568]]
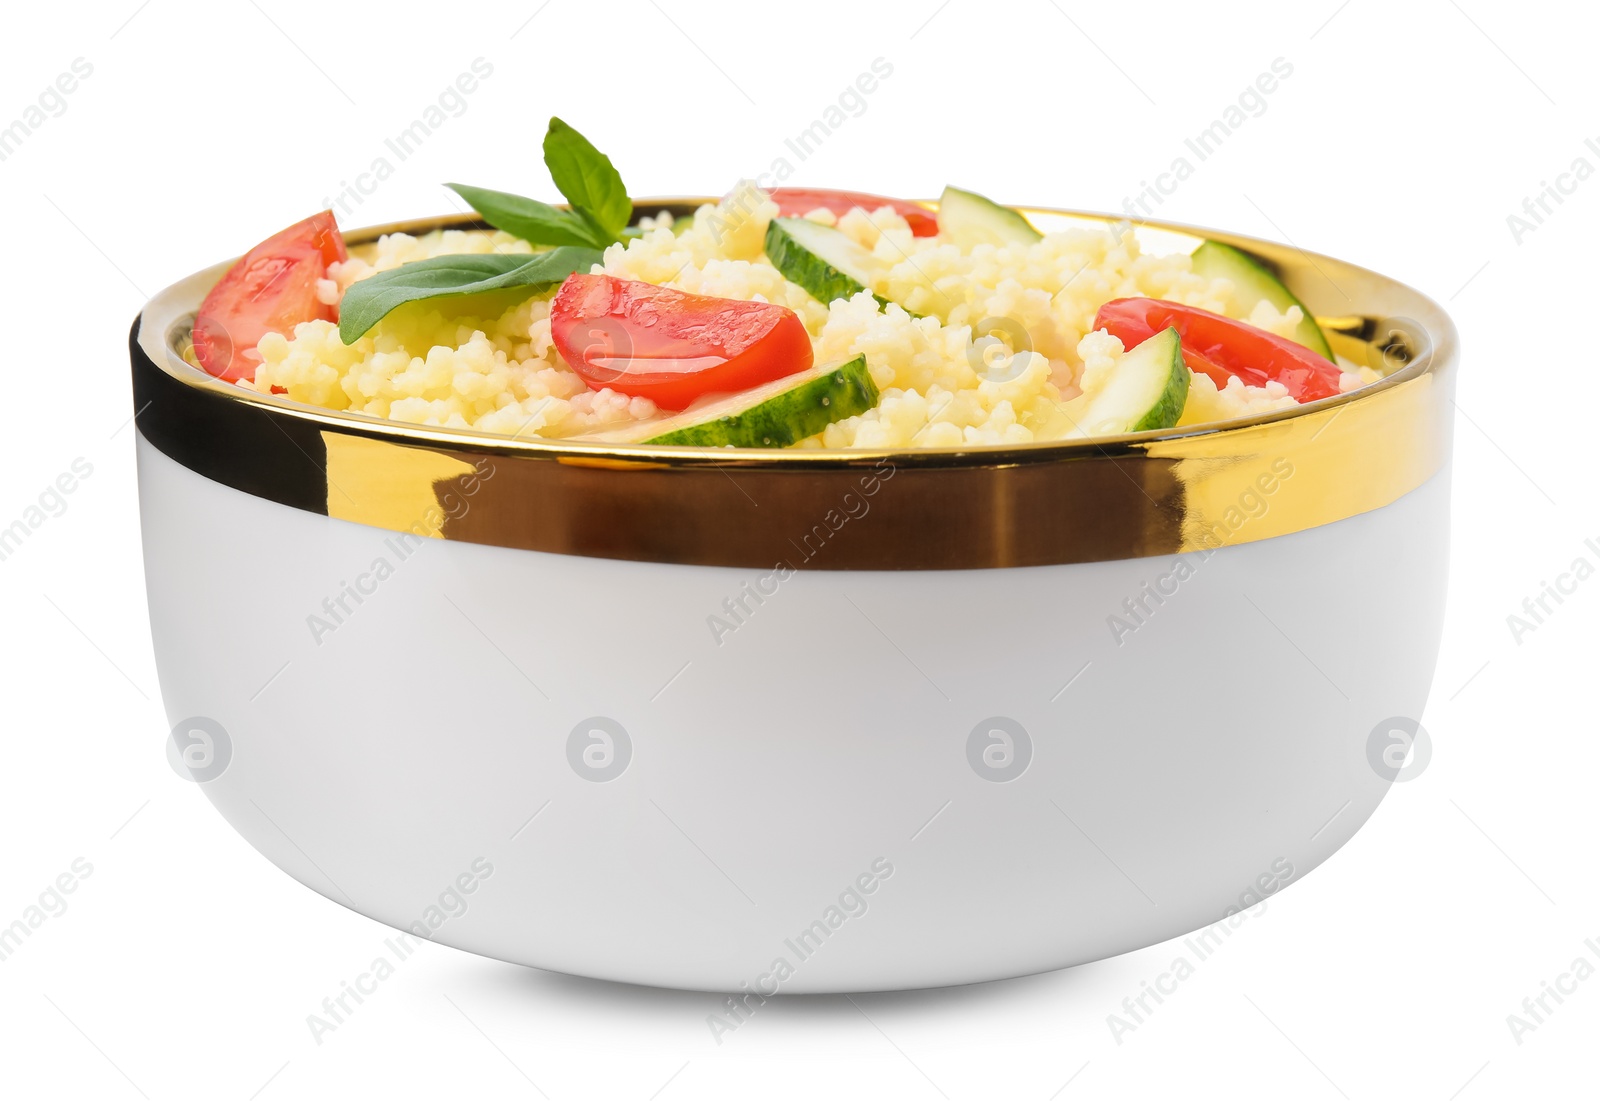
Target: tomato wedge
[[658, 343], [796, 202], [271, 289], [1223, 348]]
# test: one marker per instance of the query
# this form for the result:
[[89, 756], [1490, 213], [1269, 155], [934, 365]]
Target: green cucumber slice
[[777, 414], [1252, 281], [1148, 390], [967, 219], [822, 261]]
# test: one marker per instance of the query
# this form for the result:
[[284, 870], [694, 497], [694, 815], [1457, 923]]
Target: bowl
[[781, 722]]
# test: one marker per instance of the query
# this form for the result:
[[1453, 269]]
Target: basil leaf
[[587, 178], [370, 300], [535, 222]]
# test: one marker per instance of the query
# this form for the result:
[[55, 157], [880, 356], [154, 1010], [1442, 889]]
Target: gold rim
[[1163, 492]]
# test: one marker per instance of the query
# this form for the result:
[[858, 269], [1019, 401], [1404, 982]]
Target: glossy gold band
[[1152, 493]]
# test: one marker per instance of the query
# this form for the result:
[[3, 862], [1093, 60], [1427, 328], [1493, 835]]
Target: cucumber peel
[[821, 261], [776, 414], [1147, 390], [1253, 281]]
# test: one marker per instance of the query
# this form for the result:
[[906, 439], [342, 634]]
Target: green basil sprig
[[372, 299], [533, 221], [587, 178], [601, 209]]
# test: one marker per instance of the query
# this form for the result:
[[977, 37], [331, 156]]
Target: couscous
[[773, 318]]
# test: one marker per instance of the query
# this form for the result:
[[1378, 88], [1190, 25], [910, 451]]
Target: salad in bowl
[[789, 317]]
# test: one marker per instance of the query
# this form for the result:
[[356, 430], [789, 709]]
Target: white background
[[185, 964]]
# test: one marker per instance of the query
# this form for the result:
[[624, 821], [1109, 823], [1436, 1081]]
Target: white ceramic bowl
[[925, 753]]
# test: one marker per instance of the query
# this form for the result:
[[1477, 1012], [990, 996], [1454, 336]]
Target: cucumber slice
[[1147, 390], [1253, 281], [777, 414], [967, 218], [822, 261]]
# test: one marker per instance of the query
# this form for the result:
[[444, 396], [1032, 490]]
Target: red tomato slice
[[271, 289], [796, 202], [1223, 348], [655, 342]]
